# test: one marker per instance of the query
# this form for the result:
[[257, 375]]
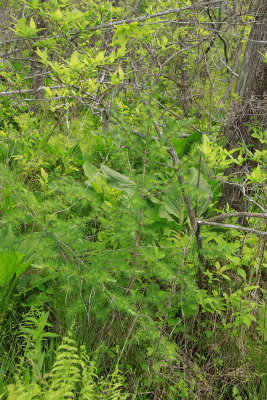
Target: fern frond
[[111, 387], [66, 372], [88, 389]]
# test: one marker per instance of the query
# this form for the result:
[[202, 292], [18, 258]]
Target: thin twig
[[156, 15], [230, 226], [222, 217]]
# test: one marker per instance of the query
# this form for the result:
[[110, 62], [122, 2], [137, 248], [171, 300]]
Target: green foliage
[[72, 373], [34, 334], [97, 241], [11, 264]]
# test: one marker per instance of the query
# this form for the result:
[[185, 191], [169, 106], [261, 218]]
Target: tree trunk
[[251, 80], [251, 88], [37, 70]]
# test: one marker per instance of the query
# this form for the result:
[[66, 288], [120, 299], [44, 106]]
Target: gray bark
[[251, 109], [37, 70], [252, 79], [3, 10]]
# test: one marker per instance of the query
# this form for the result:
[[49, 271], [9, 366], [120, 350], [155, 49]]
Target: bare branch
[[252, 200], [156, 15], [222, 217], [230, 226]]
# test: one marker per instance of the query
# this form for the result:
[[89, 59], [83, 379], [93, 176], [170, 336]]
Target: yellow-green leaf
[[241, 273]]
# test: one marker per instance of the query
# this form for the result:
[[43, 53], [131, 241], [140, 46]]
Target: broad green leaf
[[100, 57], [44, 174], [248, 288], [118, 181], [34, 4], [10, 264], [57, 15], [114, 78], [246, 320], [163, 213], [206, 147], [112, 56], [74, 62], [89, 170], [241, 273], [121, 73], [121, 51], [50, 335], [173, 203], [179, 146], [183, 146], [235, 390], [252, 317], [48, 91], [43, 56], [201, 188], [32, 25], [257, 175], [29, 331], [38, 300], [26, 31], [30, 198], [77, 155], [21, 27]]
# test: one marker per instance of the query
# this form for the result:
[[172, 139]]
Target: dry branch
[[230, 226]]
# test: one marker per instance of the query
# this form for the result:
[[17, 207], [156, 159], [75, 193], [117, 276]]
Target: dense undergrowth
[[107, 291], [68, 233]]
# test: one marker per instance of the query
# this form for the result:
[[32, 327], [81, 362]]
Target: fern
[[66, 372], [110, 388], [88, 377], [73, 375]]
